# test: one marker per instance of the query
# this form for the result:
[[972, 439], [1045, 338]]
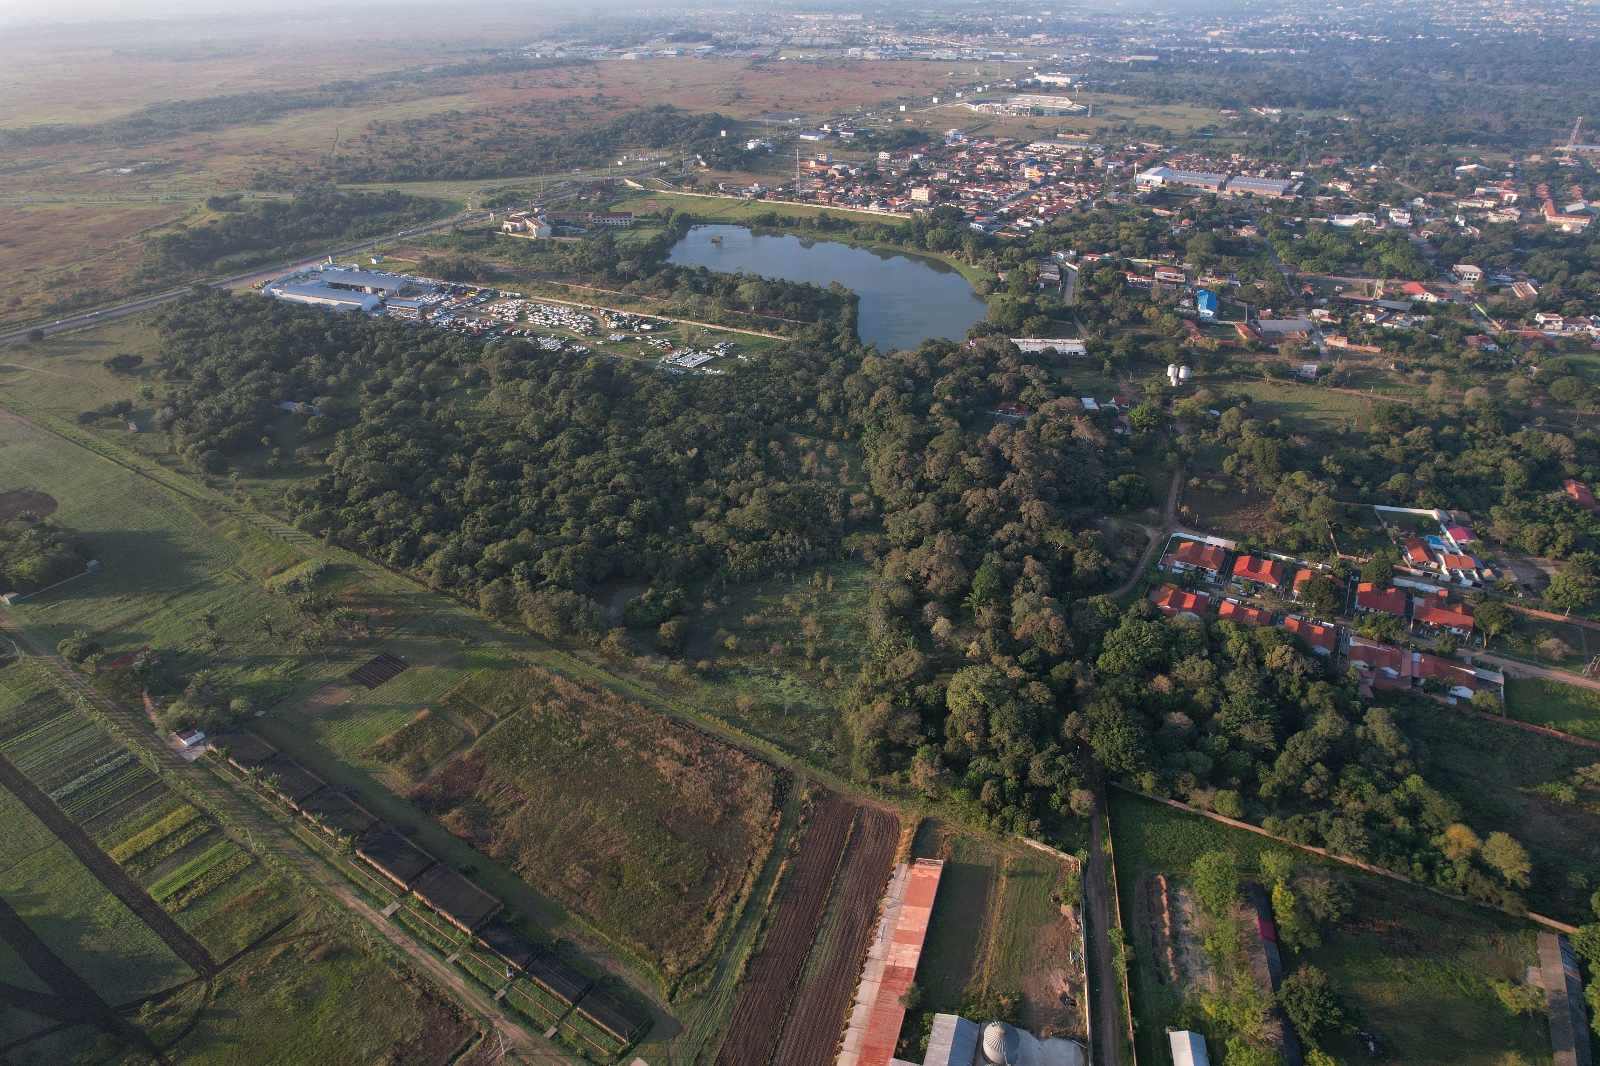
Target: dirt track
[[1109, 1024]]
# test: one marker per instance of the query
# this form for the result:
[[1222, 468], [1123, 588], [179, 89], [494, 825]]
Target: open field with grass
[[1302, 404], [647, 828], [1111, 111], [998, 934], [1496, 775], [1411, 967], [1564, 707]]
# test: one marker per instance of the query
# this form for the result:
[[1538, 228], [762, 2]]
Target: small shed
[[1188, 1048], [557, 978], [294, 782], [246, 751], [612, 1015], [189, 738]]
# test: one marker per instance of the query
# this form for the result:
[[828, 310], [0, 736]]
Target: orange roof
[[1457, 616], [1579, 492], [1453, 561], [1388, 600], [1266, 571], [1301, 577], [1417, 552], [1243, 612], [1173, 600], [1315, 634], [900, 962], [1196, 553]]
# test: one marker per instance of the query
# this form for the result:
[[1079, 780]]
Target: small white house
[[189, 738]]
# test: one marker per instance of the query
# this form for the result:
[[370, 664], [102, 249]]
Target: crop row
[[200, 876], [590, 1038], [36, 711], [816, 1017], [151, 835], [774, 971], [108, 790], [530, 1000]]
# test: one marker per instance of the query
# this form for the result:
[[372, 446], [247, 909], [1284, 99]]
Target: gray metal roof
[[953, 1041]]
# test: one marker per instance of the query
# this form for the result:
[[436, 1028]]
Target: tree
[[1323, 595], [1459, 843], [1569, 591], [1494, 618], [1507, 858], [1308, 998]]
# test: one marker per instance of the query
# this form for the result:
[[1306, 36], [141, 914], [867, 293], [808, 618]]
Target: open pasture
[[650, 829]]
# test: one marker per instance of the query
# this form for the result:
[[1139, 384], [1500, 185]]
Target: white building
[[1188, 1048]]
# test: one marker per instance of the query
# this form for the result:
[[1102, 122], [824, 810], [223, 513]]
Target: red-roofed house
[[1380, 665], [1369, 597], [1419, 292], [1384, 667], [1195, 555], [1464, 566], [1298, 585], [1171, 600], [1580, 494], [1268, 573], [1235, 611], [1437, 612], [1417, 553], [1320, 638]]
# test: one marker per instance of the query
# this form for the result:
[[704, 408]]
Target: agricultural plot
[[316, 995], [998, 933], [1413, 968], [798, 984], [649, 828]]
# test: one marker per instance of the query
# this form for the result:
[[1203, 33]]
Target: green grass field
[[1493, 773], [1564, 707], [1303, 404], [997, 931], [1413, 968]]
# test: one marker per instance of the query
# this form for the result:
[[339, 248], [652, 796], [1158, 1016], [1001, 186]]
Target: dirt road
[[1104, 987], [1158, 536], [1518, 668]]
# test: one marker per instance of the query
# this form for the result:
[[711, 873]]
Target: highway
[[111, 312]]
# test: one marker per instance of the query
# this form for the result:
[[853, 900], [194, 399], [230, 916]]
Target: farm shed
[[333, 810], [294, 782], [501, 939], [610, 1014], [953, 1041], [891, 964], [556, 978], [1188, 1048], [459, 901], [246, 750], [1569, 1028], [395, 857], [1266, 964]]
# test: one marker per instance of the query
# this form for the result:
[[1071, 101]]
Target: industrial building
[[319, 295], [1042, 104], [1206, 181], [1161, 177]]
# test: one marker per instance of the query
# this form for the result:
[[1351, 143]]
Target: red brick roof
[[1436, 613], [1300, 579], [1197, 553], [1243, 612], [1314, 634], [1173, 600], [1388, 600], [1266, 571], [1417, 553], [1454, 561]]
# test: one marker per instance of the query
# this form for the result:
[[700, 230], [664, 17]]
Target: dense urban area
[[832, 535]]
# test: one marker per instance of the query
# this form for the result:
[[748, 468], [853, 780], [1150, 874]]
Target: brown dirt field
[[18, 501], [819, 1009], [328, 697], [48, 252], [757, 1021]]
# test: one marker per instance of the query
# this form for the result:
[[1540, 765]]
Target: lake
[[904, 299]]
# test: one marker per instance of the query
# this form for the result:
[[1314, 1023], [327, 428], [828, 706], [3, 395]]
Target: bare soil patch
[[24, 501]]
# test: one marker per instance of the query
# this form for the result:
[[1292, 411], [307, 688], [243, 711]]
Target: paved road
[[112, 312]]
